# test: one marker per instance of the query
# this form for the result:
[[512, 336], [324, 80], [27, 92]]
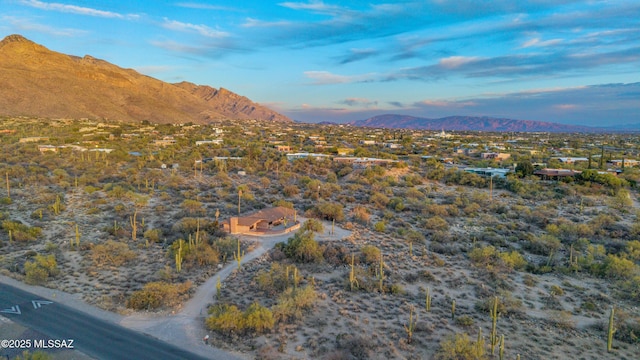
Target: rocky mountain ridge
[[44, 83]]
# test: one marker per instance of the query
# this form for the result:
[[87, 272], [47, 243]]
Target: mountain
[[39, 82], [468, 123]]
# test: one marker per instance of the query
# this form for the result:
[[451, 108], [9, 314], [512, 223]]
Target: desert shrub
[[187, 226], [258, 318], [39, 270], [21, 232], [436, 223], [37, 355], [225, 319], [159, 294], [507, 304], [619, 268], [464, 320], [192, 207], [556, 290], [303, 247], [361, 215], [396, 204], [314, 225], [513, 260], [460, 347], [336, 254], [370, 254], [436, 210], [290, 190], [414, 237], [293, 303], [379, 226], [329, 211], [490, 258], [111, 253], [276, 280], [226, 247], [543, 245], [153, 235]]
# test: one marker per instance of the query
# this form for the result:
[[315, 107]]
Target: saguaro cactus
[[411, 326], [134, 225], [427, 303], [611, 331], [494, 320], [179, 256], [238, 256], [453, 310], [352, 274], [77, 237], [381, 274], [8, 186]]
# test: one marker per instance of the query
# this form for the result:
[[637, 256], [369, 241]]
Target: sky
[[572, 62]]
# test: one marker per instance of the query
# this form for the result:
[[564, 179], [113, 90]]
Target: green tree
[[524, 168]]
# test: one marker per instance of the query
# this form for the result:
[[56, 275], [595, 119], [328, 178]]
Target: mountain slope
[[467, 123], [40, 82]]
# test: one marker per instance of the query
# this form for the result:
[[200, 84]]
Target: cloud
[[356, 55], [73, 9], [565, 106], [359, 102], [200, 29], [192, 5], [25, 25], [518, 66], [318, 7], [326, 78], [445, 103], [255, 23], [594, 105], [536, 42], [453, 62]]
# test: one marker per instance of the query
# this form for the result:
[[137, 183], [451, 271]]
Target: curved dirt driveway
[[185, 328]]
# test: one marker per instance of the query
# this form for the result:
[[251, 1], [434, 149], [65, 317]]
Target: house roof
[[557, 172], [271, 214]]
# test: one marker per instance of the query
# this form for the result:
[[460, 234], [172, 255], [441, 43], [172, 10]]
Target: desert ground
[[123, 234]]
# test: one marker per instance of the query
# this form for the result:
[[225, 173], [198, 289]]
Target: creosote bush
[[37, 272], [111, 253], [302, 247], [159, 294]]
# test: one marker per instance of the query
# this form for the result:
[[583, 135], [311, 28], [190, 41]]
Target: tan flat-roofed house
[[261, 221]]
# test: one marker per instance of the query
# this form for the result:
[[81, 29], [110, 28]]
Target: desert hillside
[[44, 83]]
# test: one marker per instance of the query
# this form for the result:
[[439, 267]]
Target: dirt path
[[185, 328]]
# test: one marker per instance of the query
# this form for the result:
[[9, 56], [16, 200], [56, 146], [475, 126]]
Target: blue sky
[[575, 62]]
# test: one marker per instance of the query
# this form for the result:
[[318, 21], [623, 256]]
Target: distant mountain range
[[39, 82], [473, 123]]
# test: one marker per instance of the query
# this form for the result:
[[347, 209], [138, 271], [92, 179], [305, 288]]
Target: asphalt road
[[92, 336]]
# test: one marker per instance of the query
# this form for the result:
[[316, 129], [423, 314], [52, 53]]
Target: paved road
[[92, 336]]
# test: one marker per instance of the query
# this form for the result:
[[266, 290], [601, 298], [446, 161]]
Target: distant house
[[164, 142], [363, 162], [570, 160], [47, 148], [625, 162], [283, 148], [555, 174], [488, 171], [260, 221], [205, 142], [33, 139], [304, 155], [495, 156]]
